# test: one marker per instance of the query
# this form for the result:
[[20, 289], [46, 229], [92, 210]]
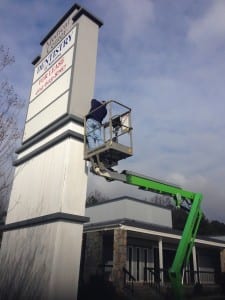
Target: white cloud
[[209, 29], [176, 93], [137, 16], [126, 21]]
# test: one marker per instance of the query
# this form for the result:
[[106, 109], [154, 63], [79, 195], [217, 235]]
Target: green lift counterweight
[[117, 145]]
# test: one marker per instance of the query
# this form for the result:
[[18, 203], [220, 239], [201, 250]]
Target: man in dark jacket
[[95, 117]]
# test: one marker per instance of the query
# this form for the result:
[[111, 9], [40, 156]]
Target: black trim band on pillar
[[36, 59], [53, 142], [50, 129], [55, 217], [81, 11], [86, 13], [75, 6]]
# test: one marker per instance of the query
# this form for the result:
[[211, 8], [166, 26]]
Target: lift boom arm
[[180, 196], [191, 227], [117, 145]]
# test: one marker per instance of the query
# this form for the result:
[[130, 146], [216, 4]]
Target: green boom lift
[[117, 145]]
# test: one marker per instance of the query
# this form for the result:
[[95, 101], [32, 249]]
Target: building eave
[[148, 229]]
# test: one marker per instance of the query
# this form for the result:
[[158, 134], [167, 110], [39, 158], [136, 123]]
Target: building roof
[[129, 208]]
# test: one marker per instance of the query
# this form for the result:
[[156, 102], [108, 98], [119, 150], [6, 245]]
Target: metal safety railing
[[128, 280], [115, 130]]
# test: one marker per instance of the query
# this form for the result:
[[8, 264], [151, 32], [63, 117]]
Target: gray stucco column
[[119, 256], [161, 261], [195, 264], [42, 236]]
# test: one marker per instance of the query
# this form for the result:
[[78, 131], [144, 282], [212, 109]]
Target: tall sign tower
[[41, 246]]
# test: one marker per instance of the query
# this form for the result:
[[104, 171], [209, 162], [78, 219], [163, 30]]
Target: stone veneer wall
[[119, 256], [222, 260], [93, 254]]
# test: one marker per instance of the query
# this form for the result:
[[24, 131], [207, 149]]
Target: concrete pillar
[[41, 245], [93, 254], [195, 267], [119, 256], [161, 261]]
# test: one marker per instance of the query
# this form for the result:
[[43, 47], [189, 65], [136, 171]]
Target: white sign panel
[[54, 72], [59, 87], [47, 116], [58, 51]]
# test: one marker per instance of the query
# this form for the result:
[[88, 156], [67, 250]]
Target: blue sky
[[164, 59]]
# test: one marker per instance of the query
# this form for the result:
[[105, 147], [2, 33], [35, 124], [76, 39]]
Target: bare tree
[[95, 197], [10, 106], [162, 200]]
